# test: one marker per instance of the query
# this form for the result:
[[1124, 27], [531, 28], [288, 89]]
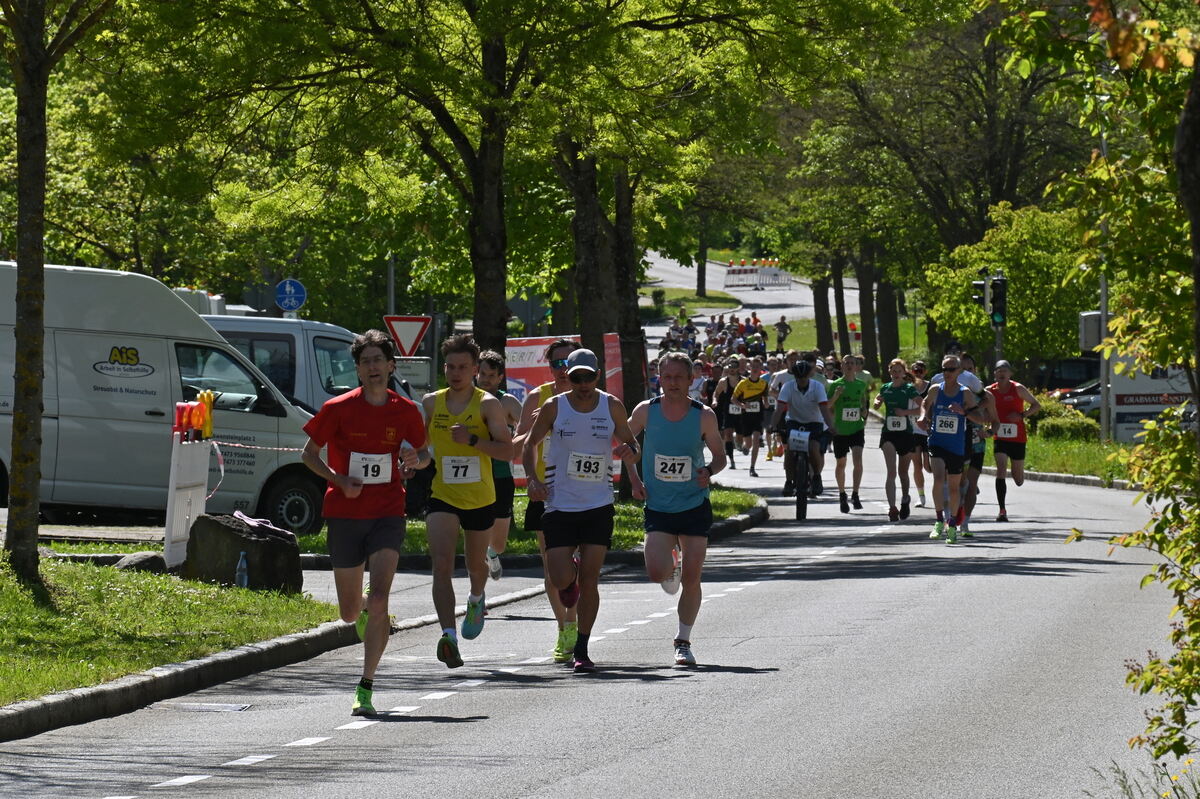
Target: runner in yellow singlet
[[467, 428]]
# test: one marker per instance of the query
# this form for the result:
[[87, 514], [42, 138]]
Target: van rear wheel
[[293, 502]]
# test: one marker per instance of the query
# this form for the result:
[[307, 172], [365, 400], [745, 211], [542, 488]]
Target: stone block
[[215, 544]]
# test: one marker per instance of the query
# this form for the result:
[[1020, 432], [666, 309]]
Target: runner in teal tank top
[[678, 513]]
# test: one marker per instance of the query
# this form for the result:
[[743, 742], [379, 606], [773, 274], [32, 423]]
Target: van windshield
[[203, 368], [272, 354], [335, 365]]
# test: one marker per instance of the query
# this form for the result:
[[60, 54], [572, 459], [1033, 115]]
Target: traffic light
[[999, 303], [982, 295]]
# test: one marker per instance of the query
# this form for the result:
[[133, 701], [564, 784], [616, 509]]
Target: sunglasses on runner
[[558, 363], [949, 368], [581, 376]]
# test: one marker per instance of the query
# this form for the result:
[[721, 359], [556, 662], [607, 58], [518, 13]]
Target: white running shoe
[[493, 564], [683, 653], [671, 584]]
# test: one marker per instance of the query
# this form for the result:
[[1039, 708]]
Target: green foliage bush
[[659, 298], [1051, 409], [1080, 428]]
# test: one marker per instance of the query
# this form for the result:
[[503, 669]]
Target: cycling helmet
[[802, 369]]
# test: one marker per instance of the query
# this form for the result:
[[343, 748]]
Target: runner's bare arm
[[1034, 405], [716, 445], [350, 486]]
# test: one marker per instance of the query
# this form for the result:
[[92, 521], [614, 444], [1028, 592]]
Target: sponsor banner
[[1152, 399]]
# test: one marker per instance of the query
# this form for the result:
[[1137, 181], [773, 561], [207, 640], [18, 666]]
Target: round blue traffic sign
[[290, 294]]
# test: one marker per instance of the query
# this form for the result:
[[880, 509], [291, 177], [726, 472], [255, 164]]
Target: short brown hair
[[373, 338], [492, 359], [562, 342], [676, 357], [462, 342]]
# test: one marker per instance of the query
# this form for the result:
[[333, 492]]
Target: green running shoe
[[447, 652], [362, 703], [360, 626], [965, 531], [472, 623], [938, 530], [951, 535], [564, 650]]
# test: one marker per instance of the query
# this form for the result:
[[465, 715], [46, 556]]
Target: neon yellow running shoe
[[362, 703]]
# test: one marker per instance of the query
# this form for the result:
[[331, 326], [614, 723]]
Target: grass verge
[[677, 299], [804, 335], [1074, 457], [627, 529], [95, 624]]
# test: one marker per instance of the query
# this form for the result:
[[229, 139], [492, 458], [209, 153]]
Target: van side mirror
[[267, 405]]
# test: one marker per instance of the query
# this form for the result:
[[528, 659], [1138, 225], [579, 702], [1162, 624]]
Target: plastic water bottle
[[242, 576]]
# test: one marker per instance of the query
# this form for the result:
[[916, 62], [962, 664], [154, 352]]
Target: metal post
[[391, 305], [1105, 367], [999, 343]]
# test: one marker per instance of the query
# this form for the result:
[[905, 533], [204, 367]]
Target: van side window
[[335, 365], [273, 355], [203, 367]]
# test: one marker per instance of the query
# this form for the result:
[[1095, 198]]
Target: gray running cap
[[1003, 365], [582, 359]]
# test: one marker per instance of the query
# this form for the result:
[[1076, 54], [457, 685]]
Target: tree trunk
[[864, 273], [564, 314], [32, 78], [844, 344], [593, 285], [702, 257], [1187, 163], [487, 226], [889, 322], [820, 291], [625, 272]]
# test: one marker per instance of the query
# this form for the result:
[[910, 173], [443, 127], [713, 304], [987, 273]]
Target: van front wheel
[[293, 502]]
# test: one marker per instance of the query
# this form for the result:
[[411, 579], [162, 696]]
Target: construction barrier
[[757, 277]]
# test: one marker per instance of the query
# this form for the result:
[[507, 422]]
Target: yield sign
[[407, 331]]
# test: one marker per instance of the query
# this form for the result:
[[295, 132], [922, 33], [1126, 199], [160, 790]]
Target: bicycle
[[796, 465]]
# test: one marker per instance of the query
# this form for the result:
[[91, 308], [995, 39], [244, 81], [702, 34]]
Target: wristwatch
[[473, 440]]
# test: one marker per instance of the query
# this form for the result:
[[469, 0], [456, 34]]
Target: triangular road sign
[[407, 331]]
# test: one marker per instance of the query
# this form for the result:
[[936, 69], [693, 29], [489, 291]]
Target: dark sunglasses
[[582, 376], [949, 368], [558, 363]]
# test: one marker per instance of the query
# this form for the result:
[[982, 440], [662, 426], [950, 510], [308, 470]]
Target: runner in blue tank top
[[678, 513], [944, 414]]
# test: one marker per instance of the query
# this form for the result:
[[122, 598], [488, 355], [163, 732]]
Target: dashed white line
[[616, 630], [468, 684], [509, 670], [829, 552], [404, 708], [188, 780], [750, 583], [659, 615], [533, 661], [308, 741], [734, 588], [437, 695], [248, 761], [120, 797], [597, 638], [358, 725], [639, 621], [714, 596]]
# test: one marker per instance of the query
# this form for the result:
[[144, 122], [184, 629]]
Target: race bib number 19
[[371, 468], [673, 468], [459, 469], [586, 467]]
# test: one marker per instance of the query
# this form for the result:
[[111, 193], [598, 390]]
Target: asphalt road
[[846, 656]]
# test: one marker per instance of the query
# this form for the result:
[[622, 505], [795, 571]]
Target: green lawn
[[678, 299], [1074, 457], [804, 335], [98, 623]]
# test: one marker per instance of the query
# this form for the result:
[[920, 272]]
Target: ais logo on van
[[123, 362]]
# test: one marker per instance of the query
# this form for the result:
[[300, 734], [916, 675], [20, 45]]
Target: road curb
[[134, 691]]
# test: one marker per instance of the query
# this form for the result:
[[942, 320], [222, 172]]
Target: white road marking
[[307, 741], [509, 670], [829, 552], [468, 684], [188, 780], [358, 725], [818, 557], [437, 695], [120, 797], [404, 709], [734, 588], [248, 761], [659, 615], [616, 630], [750, 583], [596, 638], [533, 661], [714, 596], [639, 621]]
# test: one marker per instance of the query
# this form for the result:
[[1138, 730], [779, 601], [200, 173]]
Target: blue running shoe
[[472, 623]]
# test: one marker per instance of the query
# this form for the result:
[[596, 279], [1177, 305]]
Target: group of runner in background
[[937, 424]]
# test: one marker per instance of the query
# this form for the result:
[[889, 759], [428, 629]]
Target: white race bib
[[588, 468], [1008, 430], [897, 424], [770, 402], [851, 414], [735, 410], [459, 469], [752, 407], [798, 440], [946, 423], [673, 468], [371, 468]]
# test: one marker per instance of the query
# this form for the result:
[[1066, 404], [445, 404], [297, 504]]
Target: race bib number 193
[[586, 467]]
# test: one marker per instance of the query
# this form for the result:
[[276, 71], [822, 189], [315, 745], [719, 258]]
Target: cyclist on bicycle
[[806, 407]]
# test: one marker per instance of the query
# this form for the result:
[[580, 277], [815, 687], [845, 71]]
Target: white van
[[310, 362], [121, 350]]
